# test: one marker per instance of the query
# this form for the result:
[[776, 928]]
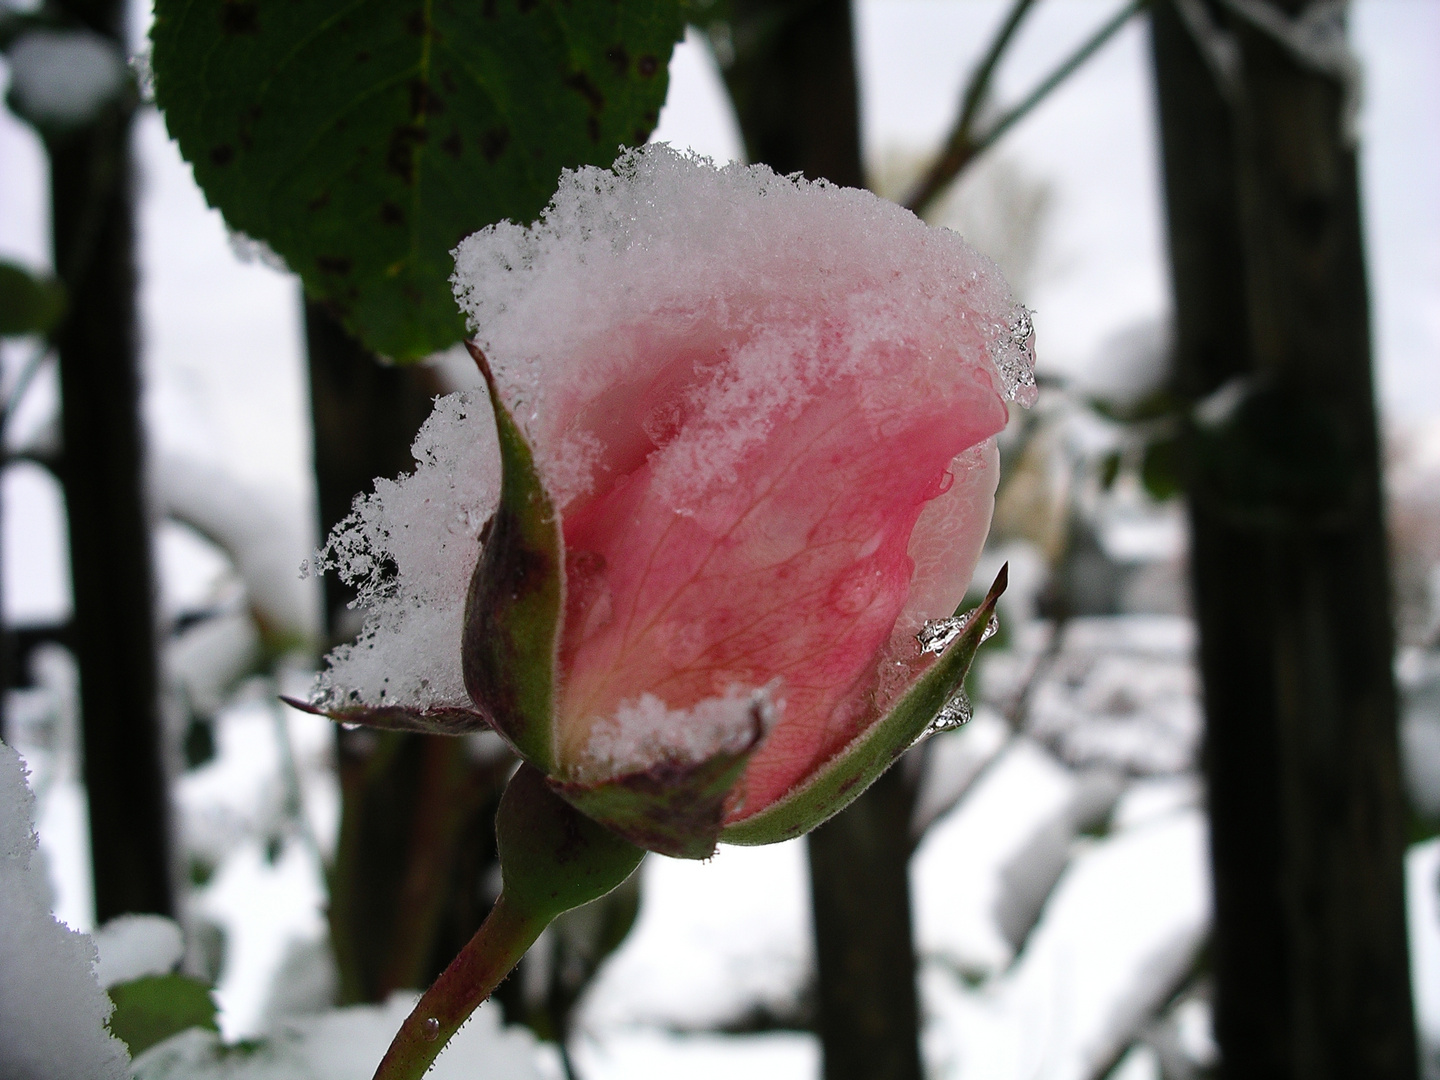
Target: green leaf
[[840, 780], [28, 304], [363, 140], [151, 1009], [1161, 468], [509, 643], [1109, 469]]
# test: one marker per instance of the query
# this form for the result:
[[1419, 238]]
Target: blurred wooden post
[[1288, 552], [794, 87], [102, 468]]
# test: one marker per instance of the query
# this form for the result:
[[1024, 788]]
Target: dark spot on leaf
[[391, 214], [493, 143], [362, 56], [490, 9], [617, 56], [223, 154], [240, 16], [447, 81], [647, 65], [423, 100], [416, 24], [451, 145], [581, 83], [639, 135], [400, 155], [592, 128], [334, 264], [319, 202], [247, 126], [527, 6], [651, 118]]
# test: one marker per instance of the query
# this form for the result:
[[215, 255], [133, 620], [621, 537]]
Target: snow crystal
[[52, 1011], [646, 730], [671, 274], [410, 549]]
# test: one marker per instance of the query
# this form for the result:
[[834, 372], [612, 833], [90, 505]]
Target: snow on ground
[[1119, 934], [52, 1011], [345, 1044], [1018, 809], [265, 905], [1422, 890], [636, 1054], [714, 941]]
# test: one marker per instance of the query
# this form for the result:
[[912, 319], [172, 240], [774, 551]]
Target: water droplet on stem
[[953, 714], [937, 634]]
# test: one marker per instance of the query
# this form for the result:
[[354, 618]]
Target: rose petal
[[797, 570]]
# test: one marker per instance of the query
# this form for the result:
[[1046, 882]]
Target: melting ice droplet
[[1014, 354], [955, 713], [936, 634], [431, 1028]]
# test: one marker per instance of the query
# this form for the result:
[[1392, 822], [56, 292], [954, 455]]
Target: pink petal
[[795, 571]]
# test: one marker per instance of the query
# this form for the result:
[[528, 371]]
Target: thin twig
[[979, 87], [961, 147], [22, 383], [957, 153]]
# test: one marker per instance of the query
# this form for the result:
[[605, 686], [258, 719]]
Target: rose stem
[[471, 977]]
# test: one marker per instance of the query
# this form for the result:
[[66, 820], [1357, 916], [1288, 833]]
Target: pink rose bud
[[747, 425]]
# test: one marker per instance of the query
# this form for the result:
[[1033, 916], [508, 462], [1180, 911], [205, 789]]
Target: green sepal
[[431, 720], [516, 602], [552, 856], [152, 1008], [840, 780], [671, 808]]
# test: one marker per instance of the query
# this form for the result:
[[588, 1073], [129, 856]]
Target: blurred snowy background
[[1060, 875]]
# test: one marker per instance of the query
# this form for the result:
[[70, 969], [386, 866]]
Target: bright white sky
[[224, 371]]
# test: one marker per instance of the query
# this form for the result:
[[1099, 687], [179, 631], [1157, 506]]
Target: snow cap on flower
[[762, 411]]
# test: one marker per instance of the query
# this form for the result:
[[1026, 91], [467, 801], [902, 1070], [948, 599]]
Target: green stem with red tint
[[552, 859], [471, 977]]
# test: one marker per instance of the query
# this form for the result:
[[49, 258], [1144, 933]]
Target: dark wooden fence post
[[1288, 549], [92, 191]]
